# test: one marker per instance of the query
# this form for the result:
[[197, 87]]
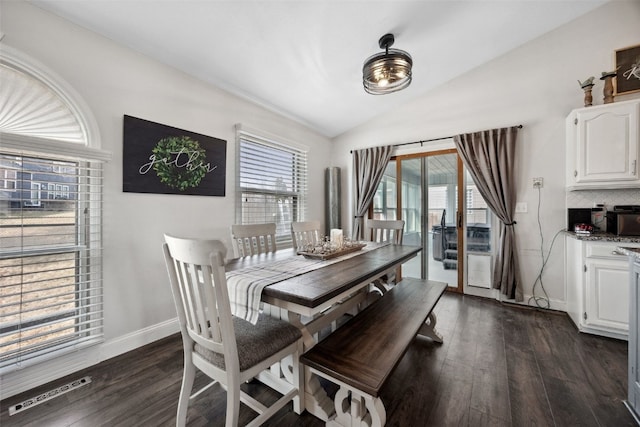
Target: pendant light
[[388, 71]]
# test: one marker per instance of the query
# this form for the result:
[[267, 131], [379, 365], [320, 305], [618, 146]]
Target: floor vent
[[30, 403]]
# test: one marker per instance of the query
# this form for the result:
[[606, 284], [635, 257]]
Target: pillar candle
[[336, 236]]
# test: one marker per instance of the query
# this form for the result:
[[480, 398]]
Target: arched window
[[50, 216]]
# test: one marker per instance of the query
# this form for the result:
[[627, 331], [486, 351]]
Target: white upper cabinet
[[602, 146]]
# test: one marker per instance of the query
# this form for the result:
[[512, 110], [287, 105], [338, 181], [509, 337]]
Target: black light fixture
[[388, 71]]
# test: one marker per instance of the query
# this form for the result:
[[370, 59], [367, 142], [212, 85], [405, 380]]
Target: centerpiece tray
[[323, 254]]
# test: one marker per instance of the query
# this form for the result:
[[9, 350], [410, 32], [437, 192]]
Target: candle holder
[[326, 249], [588, 97], [586, 86], [608, 76]]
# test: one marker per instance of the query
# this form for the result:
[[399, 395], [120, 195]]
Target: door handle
[[459, 214]]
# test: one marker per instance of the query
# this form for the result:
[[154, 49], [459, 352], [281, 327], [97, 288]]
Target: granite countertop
[[604, 237], [635, 252]]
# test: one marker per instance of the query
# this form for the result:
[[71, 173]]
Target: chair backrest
[[252, 239], [199, 286], [382, 230], [304, 233]]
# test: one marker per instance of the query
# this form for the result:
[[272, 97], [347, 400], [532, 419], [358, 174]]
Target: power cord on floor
[[542, 301]]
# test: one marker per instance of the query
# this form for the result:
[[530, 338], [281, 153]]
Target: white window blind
[[50, 257], [271, 184]]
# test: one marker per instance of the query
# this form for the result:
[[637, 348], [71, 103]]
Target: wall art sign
[[628, 70], [166, 160]]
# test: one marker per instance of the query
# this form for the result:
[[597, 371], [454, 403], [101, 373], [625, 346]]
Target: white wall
[[115, 81], [534, 85]]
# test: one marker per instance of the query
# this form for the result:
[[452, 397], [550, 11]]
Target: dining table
[[315, 298]]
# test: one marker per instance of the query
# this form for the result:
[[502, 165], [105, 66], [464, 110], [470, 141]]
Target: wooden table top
[[318, 286]]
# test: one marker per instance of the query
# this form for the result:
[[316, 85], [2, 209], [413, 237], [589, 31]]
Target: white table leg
[[316, 401]]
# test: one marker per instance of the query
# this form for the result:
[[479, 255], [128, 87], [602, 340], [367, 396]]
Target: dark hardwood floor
[[499, 365]]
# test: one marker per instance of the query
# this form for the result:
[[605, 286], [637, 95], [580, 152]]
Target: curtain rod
[[427, 140]]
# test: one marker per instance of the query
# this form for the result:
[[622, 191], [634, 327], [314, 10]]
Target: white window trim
[[32, 146]]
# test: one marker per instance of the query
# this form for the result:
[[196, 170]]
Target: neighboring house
[[34, 183]]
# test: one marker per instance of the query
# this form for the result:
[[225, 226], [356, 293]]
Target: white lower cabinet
[[607, 294], [598, 287]]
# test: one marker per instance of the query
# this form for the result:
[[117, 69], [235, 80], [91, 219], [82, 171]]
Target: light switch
[[521, 207]]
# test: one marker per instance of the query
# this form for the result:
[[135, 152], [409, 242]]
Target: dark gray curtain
[[368, 168], [489, 156]]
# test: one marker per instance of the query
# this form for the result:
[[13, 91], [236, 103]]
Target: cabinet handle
[[575, 173], [634, 167], [614, 252]]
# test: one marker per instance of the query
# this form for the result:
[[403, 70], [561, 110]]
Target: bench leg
[[355, 409], [428, 329], [316, 401]]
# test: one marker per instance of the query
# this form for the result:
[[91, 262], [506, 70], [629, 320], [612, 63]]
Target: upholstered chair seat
[[255, 342]]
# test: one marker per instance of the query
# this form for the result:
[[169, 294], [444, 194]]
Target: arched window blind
[[271, 183]]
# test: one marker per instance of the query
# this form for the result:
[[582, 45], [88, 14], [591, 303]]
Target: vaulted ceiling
[[304, 58]]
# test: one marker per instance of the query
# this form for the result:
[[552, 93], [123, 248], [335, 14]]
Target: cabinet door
[[634, 327], [607, 294], [607, 143]]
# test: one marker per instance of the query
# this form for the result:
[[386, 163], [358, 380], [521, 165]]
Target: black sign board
[[166, 160]]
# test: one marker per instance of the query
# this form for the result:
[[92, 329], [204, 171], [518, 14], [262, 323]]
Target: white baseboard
[[528, 301], [558, 305], [36, 375], [123, 344]]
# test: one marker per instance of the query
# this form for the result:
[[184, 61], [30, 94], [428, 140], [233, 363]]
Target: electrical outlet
[[521, 207], [537, 182]]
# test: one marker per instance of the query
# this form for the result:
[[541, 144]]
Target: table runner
[[246, 284]]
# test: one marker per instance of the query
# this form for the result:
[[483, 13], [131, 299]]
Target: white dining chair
[[304, 233], [228, 349], [252, 239], [385, 231]]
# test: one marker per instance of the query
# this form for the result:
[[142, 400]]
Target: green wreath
[[183, 172]]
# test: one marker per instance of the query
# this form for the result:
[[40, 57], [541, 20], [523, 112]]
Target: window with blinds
[[272, 184], [50, 257]]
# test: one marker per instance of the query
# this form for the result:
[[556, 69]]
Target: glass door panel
[[441, 182], [412, 213], [429, 200], [385, 202], [479, 249]]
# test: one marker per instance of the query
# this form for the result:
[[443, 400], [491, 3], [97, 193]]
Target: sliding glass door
[[426, 191]]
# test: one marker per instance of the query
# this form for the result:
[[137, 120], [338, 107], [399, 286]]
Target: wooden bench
[[361, 355]]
